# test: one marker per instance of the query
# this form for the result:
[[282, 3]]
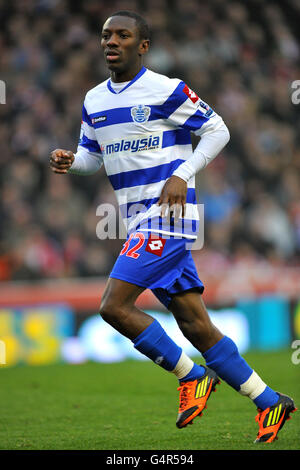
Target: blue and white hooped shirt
[[142, 134]]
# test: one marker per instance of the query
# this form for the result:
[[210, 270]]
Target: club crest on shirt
[[140, 113]]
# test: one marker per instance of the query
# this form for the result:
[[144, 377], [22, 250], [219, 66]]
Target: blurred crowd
[[241, 57]]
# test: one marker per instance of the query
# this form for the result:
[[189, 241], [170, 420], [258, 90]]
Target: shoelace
[[185, 391]]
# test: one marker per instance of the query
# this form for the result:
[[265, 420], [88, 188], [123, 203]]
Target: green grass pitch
[[132, 406]]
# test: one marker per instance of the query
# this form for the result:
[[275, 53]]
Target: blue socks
[[226, 361], [196, 372], [267, 398], [223, 358], [154, 343]]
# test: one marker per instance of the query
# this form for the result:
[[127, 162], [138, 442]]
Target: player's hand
[[173, 197], [61, 160]]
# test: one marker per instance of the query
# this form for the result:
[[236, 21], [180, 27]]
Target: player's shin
[[226, 361], [154, 343]]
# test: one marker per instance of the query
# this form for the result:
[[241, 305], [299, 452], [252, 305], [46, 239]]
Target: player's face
[[122, 46]]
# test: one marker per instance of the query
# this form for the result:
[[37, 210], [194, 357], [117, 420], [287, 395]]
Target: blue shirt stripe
[[195, 121], [144, 176], [176, 99], [176, 137], [85, 117], [89, 144], [112, 116]]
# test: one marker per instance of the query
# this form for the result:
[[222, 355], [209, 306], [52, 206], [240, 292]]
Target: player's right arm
[[88, 158], [61, 160]]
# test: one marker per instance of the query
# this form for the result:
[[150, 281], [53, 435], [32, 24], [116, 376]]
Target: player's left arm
[[214, 136], [196, 116], [173, 196]]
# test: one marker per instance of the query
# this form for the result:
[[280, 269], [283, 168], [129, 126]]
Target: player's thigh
[[119, 293]]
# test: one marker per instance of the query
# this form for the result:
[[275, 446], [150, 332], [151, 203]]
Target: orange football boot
[[194, 395], [271, 420]]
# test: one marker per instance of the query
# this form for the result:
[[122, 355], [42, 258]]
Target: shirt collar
[[141, 72]]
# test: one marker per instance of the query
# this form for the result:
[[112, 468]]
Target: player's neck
[[125, 76]]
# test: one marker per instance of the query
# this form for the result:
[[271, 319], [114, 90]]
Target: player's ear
[[144, 46]]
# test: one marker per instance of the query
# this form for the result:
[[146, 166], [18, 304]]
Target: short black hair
[[141, 23]]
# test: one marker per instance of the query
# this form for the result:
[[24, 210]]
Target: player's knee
[[108, 311], [112, 313]]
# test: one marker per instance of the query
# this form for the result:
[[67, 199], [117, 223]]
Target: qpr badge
[[140, 113]]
